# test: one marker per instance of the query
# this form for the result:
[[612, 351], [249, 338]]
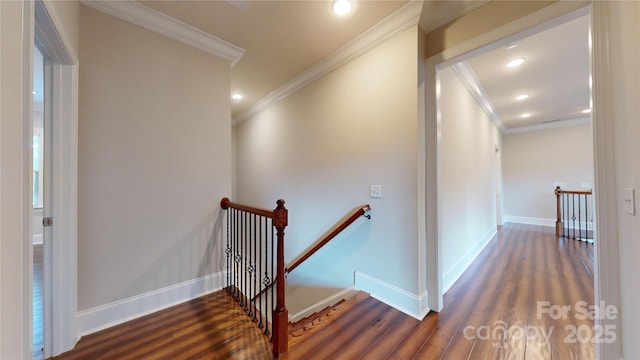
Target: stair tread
[[312, 323]]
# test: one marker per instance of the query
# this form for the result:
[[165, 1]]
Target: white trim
[[400, 299], [105, 316], [529, 220], [404, 18], [607, 258], [150, 19], [549, 125], [468, 77], [63, 279], [450, 276], [330, 301], [37, 239]]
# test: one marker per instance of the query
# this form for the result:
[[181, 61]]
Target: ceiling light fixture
[[515, 62], [237, 96], [522, 97], [586, 111], [341, 7], [525, 115]]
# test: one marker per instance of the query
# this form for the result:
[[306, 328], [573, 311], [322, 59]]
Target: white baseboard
[[105, 316], [530, 220], [330, 301], [402, 300], [450, 276]]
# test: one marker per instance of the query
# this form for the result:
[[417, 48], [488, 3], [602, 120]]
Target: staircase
[[304, 328]]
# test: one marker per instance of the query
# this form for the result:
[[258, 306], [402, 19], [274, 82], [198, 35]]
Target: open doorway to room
[[476, 109], [54, 327], [39, 146], [529, 99]]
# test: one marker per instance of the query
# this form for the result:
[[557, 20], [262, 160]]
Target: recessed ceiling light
[[525, 115], [237, 96], [341, 7], [586, 111], [515, 62], [512, 45], [522, 97]]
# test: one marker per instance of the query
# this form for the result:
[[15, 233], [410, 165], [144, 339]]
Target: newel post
[[280, 314], [558, 212]]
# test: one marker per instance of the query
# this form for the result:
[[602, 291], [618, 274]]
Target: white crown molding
[[402, 19], [468, 77], [160, 23], [549, 125]]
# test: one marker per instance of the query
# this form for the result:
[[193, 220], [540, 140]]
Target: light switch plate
[[629, 199], [375, 191]]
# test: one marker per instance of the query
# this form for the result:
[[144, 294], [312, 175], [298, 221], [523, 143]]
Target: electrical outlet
[[375, 191]]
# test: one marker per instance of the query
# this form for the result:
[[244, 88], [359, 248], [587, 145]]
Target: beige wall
[[532, 162], [154, 161], [468, 176], [321, 148]]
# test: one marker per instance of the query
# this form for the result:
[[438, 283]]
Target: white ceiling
[[281, 38], [555, 75]]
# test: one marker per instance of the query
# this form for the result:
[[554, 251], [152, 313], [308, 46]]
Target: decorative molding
[[402, 19], [102, 317], [150, 19], [530, 220], [450, 276], [549, 125], [330, 301], [402, 300], [468, 77]]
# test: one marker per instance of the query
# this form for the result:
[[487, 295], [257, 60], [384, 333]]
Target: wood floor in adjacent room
[[491, 312]]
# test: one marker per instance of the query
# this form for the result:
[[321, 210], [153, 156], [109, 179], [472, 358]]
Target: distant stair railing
[[255, 262], [574, 218]]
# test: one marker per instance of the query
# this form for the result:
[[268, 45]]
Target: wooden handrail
[[225, 203], [356, 214], [361, 211], [577, 192]]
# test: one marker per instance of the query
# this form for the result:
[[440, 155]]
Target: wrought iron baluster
[[261, 261], [579, 219]]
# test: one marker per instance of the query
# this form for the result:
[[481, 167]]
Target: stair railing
[[360, 211], [574, 219], [255, 262]]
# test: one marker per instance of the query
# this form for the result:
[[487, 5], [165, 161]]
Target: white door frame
[[60, 251], [606, 250]]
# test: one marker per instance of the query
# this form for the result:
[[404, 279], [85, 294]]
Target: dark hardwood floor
[[491, 312], [38, 309]]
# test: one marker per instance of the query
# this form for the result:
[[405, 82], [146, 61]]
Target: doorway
[[500, 38], [38, 159], [60, 129]]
